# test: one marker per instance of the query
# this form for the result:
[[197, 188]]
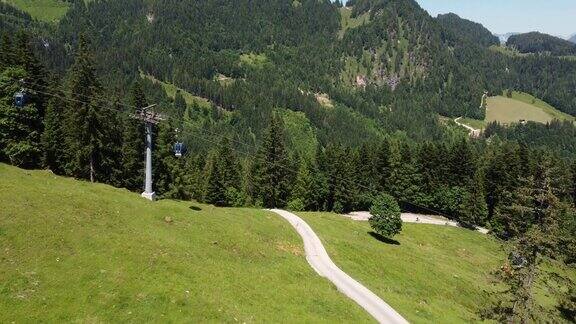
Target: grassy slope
[[78, 252], [44, 10], [520, 106], [436, 274], [172, 89], [347, 22]]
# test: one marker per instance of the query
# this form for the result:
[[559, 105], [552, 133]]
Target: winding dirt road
[[320, 261]]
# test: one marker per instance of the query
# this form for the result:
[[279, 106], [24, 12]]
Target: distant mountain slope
[[572, 39], [536, 42], [504, 37], [463, 29]]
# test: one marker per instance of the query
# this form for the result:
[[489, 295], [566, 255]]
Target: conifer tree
[[340, 178], [179, 105], [223, 176], [36, 76], [53, 140], [89, 124], [133, 142], [274, 166], [19, 126], [473, 210], [7, 52], [538, 235], [404, 182], [462, 164], [303, 190], [382, 164]]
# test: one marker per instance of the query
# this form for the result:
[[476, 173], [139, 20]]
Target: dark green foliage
[[303, 190], [474, 210], [568, 305], [536, 42], [20, 127], [133, 142], [537, 210], [337, 161], [223, 177], [90, 124], [53, 137], [462, 30], [385, 219], [558, 136], [274, 170], [404, 181]]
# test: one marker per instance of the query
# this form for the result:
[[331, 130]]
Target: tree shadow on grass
[[383, 239], [195, 208]]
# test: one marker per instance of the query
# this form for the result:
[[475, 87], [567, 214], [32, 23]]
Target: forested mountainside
[[573, 39], [467, 31], [279, 107], [536, 42]]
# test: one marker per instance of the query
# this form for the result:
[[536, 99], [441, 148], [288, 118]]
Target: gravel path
[[320, 261], [473, 131], [415, 218]]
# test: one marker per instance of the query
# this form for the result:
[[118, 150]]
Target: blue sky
[[556, 17]]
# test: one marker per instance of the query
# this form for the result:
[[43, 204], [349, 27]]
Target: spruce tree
[[223, 176], [474, 210], [539, 209], [133, 142], [19, 126], [274, 166], [303, 190], [342, 184], [88, 124], [53, 140], [179, 105], [36, 76], [404, 182]]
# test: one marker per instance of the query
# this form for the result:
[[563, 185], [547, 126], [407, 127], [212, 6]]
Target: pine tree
[[88, 124], [223, 185], [404, 182], [19, 126], [7, 52], [133, 142], [342, 184], [179, 105], [462, 164], [537, 237], [36, 76], [273, 176], [382, 165], [53, 138], [303, 190], [473, 210]]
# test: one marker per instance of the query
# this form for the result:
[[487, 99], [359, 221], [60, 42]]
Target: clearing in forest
[[43, 10], [522, 106]]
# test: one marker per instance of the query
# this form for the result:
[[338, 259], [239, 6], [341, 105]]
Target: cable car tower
[[150, 118]]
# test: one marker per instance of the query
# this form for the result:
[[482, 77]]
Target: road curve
[[320, 261]]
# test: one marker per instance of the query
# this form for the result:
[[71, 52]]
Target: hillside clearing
[[171, 91], [43, 10], [521, 106], [435, 275], [347, 22], [79, 252]]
